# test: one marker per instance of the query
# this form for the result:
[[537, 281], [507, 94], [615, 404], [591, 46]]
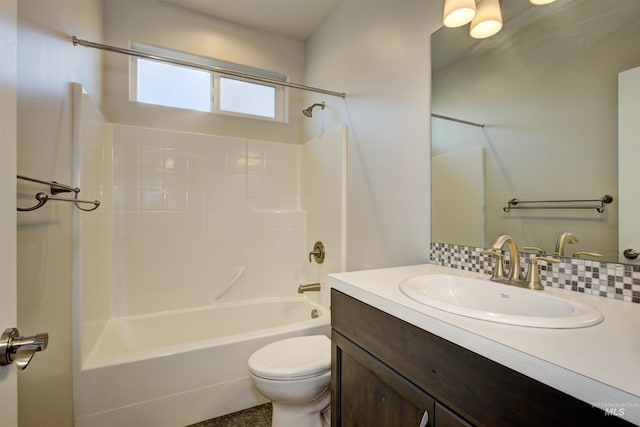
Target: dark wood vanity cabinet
[[388, 373]]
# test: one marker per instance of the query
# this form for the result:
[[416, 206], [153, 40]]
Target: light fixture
[[485, 15], [458, 12], [488, 19]]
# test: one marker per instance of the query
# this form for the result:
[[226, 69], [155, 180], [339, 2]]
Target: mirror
[[546, 89]]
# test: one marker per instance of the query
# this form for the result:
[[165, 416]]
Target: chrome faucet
[[514, 256], [533, 275], [532, 281], [563, 240]]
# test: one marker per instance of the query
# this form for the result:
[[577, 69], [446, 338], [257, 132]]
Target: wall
[[458, 207], [323, 197], [8, 82], [47, 63], [551, 132], [159, 24], [377, 51]]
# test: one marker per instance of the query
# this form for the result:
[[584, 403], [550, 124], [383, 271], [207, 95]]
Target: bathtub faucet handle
[[317, 253]]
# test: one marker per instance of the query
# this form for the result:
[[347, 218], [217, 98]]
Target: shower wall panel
[[200, 219], [323, 197]]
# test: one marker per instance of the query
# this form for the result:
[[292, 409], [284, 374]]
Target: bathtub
[[177, 368]]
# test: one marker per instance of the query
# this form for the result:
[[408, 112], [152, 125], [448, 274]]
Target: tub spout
[[309, 287]]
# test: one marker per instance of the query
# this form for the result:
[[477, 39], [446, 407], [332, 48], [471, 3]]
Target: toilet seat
[[292, 359]]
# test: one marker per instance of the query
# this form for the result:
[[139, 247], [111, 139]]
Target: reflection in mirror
[[546, 89]]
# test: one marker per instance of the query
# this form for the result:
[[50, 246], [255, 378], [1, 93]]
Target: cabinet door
[[446, 418], [366, 392]]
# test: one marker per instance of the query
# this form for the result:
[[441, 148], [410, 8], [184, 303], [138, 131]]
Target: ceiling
[[295, 19]]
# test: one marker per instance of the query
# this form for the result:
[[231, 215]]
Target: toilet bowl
[[294, 374]]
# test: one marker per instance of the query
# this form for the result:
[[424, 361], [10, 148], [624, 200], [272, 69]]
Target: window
[[239, 96], [178, 86], [173, 86]]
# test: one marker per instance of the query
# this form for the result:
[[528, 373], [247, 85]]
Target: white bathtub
[[176, 368]]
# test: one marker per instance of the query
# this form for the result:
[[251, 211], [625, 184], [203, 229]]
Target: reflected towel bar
[[515, 204], [453, 119], [57, 188]]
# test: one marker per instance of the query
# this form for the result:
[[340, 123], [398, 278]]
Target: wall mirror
[[546, 88]]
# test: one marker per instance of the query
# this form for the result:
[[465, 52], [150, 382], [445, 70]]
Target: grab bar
[[56, 188], [232, 282]]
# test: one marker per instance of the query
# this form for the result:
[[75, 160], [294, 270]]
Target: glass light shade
[[458, 12], [488, 20], [541, 2]]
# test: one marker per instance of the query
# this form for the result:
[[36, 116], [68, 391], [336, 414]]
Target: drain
[[314, 314]]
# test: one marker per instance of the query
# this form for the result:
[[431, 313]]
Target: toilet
[[295, 374]]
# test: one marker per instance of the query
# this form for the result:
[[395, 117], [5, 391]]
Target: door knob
[[14, 348], [630, 253]]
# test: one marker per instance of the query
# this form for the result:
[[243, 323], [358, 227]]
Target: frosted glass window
[[177, 86], [238, 96], [173, 86]]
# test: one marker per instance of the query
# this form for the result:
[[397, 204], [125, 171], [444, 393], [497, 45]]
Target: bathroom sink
[[496, 302]]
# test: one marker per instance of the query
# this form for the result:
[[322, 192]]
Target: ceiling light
[[458, 12], [488, 20], [541, 2]]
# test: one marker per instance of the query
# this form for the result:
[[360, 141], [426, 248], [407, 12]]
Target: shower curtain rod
[[453, 119], [76, 41]]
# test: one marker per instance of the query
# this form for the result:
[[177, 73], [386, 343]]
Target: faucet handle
[[533, 275], [317, 253], [533, 249], [498, 271]]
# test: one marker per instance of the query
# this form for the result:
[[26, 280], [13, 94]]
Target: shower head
[[308, 111]]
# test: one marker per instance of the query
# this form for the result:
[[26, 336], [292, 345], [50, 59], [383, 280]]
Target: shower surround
[[192, 222], [203, 213]]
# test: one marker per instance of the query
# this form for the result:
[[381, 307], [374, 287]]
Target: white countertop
[[599, 364]]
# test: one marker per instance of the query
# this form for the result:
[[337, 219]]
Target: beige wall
[[47, 64], [8, 81], [377, 51], [164, 25]]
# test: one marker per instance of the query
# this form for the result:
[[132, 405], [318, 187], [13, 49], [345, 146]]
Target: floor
[[258, 416]]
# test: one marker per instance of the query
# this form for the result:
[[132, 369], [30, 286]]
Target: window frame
[[133, 84], [280, 92], [279, 98]]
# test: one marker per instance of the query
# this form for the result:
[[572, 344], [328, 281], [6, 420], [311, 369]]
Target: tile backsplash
[[605, 279]]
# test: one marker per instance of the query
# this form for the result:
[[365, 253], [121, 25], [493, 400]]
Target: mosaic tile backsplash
[[605, 279]]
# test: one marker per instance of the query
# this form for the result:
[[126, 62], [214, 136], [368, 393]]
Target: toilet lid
[[292, 358]]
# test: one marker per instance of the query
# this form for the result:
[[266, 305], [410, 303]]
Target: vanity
[[398, 362]]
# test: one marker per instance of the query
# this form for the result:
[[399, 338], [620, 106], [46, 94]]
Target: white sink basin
[[486, 300]]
